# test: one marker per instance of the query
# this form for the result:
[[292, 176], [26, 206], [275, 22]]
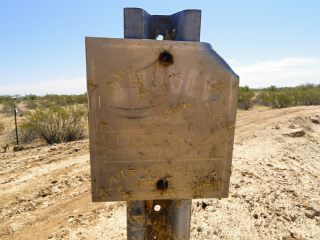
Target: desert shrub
[[54, 124], [45, 103], [4, 98], [8, 107], [81, 99], [307, 95], [30, 97], [244, 98], [283, 100], [61, 100], [265, 98], [31, 104]]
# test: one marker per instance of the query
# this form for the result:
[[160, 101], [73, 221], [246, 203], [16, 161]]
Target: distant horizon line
[[76, 94]]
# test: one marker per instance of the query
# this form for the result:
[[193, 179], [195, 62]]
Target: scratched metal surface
[[161, 119]]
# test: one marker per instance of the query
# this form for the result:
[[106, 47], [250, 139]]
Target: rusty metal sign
[[161, 119]]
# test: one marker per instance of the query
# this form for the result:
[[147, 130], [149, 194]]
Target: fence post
[[15, 120]]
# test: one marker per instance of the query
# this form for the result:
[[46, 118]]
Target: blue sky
[[266, 42]]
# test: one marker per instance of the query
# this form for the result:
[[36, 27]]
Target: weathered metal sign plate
[[161, 119]]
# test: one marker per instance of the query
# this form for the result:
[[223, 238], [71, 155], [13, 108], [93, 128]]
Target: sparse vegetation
[[305, 94], [7, 108], [244, 98], [62, 118], [31, 104], [54, 124], [53, 118]]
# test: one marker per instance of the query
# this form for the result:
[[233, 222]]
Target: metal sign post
[[161, 121], [161, 219]]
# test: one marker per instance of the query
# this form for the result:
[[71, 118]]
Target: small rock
[[317, 213], [295, 133], [210, 209], [18, 148], [111, 207], [256, 216], [314, 120], [287, 218], [309, 208], [21, 199], [44, 193], [109, 215], [309, 215], [236, 185], [235, 195], [292, 217]]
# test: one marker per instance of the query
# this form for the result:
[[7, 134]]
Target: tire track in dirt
[[272, 188]]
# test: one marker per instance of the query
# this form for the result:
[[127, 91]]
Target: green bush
[[307, 96], [31, 104], [8, 107], [64, 100], [30, 97], [4, 98], [54, 124], [265, 98], [81, 99], [283, 100], [244, 98], [45, 103]]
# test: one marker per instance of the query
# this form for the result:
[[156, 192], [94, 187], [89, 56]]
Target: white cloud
[[286, 72], [61, 86], [233, 62]]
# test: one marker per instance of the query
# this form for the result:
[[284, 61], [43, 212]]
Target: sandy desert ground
[[274, 193]]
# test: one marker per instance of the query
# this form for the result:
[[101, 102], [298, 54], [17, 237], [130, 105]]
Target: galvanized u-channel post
[[160, 219]]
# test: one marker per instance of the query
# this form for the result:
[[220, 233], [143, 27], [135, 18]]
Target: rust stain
[[91, 84], [103, 193], [216, 122], [202, 182], [173, 109], [112, 179], [139, 86], [99, 145], [106, 159], [131, 171], [217, 87], [102, 125], [235, 85], [128, 195], [149, 206], [209, 111]]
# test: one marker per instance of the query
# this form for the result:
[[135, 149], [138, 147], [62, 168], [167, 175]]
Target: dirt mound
[[274, 193]]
